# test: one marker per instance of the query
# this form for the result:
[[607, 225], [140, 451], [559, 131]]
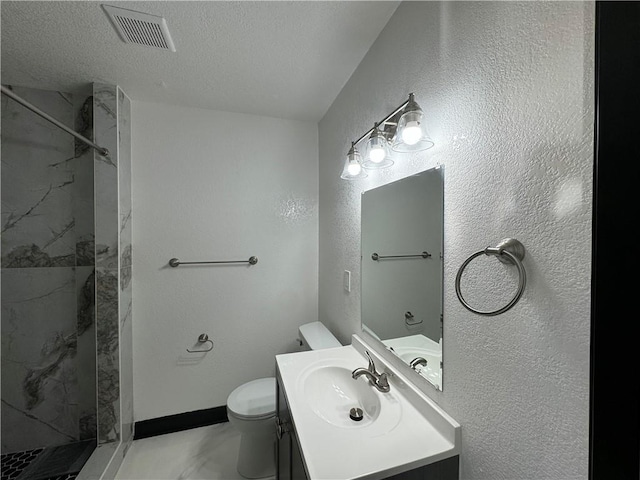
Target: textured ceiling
[[281, 59]]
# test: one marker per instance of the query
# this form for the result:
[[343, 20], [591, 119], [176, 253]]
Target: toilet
[[251, 408]]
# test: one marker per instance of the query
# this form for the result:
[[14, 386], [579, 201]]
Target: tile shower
[[66, 283]]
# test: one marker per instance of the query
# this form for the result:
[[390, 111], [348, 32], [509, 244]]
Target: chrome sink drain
[[355, 414]]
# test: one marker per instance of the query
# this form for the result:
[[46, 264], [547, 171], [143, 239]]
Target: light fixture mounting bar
[[382, 122]]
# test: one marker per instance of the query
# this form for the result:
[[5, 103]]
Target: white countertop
[[411, 430]]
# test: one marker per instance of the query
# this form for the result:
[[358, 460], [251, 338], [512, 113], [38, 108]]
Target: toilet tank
[[315, 336]]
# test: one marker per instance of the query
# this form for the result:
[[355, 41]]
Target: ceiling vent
[[140, 28]]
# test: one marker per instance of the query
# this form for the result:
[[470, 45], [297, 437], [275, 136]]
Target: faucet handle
[[383, 382], [372, 366]]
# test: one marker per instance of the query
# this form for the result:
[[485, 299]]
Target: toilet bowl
[[251, 408]]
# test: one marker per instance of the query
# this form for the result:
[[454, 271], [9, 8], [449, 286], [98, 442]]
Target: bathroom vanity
[[400, 435], [289, 463]]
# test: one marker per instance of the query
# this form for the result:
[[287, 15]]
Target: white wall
[[508, 93], [210, 185]]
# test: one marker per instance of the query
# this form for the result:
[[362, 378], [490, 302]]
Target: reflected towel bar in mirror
[[375, 256], [174, 262]]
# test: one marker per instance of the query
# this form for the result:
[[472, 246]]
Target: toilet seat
[[253, 400]]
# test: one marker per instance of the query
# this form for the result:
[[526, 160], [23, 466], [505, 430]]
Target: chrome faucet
[[417, 361], [378, 380]]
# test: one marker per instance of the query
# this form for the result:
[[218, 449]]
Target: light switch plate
[[347, 281]]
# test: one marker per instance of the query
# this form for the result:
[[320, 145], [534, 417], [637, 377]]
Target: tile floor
[[201, 453]]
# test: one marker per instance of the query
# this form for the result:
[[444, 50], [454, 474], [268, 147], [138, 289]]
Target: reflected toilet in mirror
[[402, 269]]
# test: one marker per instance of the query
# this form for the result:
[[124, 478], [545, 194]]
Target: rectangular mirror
[[402, 269]]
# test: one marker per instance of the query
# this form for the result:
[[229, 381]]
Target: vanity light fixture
[[378, 151], [353, 165], [402, 131], [411, 134]]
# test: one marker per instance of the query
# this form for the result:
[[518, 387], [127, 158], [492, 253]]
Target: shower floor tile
[[13, 464], [207, 452], [57, 463]]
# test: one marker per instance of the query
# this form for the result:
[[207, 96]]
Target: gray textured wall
[[507, 89]]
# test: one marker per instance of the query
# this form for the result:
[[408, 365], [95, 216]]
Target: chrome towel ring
[[509, 251]]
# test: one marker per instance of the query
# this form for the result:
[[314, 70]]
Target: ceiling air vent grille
[[140, 28]]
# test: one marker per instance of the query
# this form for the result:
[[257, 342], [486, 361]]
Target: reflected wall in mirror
[[401, 284]]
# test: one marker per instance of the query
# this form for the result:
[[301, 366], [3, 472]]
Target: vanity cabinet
[[446, 469], [289, 463]]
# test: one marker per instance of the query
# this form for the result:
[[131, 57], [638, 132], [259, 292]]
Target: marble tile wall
[[66, 272], [37, 183], [108, 355], [39, 376], [83, 205], [112, 127], [48, 345], [105, 110], [125, 248], [86, 351]]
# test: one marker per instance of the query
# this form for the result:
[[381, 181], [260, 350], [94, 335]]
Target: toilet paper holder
[[203, 338]]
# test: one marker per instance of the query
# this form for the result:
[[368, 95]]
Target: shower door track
[[101, 150]]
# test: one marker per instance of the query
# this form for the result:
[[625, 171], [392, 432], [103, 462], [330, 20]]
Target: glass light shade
[[378, 152], [353, 165], [411, 134]]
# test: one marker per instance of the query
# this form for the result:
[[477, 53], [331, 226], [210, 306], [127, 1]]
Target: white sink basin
[[331, 393]]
